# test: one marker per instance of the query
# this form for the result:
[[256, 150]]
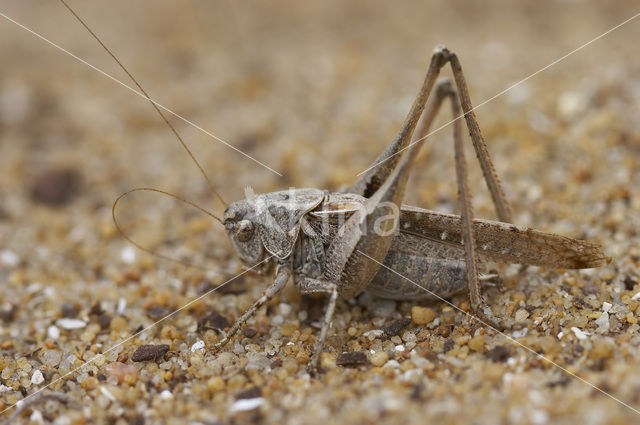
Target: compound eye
[[244, 230]]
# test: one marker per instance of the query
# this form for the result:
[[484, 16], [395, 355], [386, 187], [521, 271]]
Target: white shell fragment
[[198, 345], [37, 378], [9, 258], [166, 395], [246, 404], [128, 255], [107, 393], [579, 333], [603, 322], [53, 332], [66, 323]]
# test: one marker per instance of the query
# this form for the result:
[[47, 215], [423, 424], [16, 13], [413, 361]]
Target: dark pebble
[[249, 332], [352, 359], [96, 309], [562, 382], [55, 187], [157, 312], [276, 363], [253, 392], [136, 420], [499, 353], [444, 331], [426, 352], [104, 320], [8, 314], [416, 392], [68, 310], [149, 352], [213, 320], [629, 283], [448, 345], [591, 288], [395, 327]]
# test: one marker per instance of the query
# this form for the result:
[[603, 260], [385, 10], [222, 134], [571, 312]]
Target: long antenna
[[143, 248], [164, 118]]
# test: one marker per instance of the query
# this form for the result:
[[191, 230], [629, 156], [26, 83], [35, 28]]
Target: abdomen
[[417, 277]]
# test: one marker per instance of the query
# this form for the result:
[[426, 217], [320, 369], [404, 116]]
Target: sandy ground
[[314, 92]]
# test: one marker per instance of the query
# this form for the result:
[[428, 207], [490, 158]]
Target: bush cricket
[[365, 239]]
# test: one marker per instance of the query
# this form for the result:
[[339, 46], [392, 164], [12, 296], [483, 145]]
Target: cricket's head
[[240, 220]]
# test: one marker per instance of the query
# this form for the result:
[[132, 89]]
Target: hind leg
[[373, 177]]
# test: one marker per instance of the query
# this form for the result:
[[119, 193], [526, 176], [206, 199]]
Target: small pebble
[[629, 283], [122, 304], [53, 332], [603, 322], [448, 345], [198, 345], [290, 365], [107, 393], [213, 320], [591, 288], [352, 359], [253, 392], [521, 315], [37, 378], [55, 187], [288, 329], [327, 361], [128, 255], [70, 324], [8, 258], [121, 370], [68, 310], [382, 308], [519, 333], [215, 384], [150, 352], [157, 312], [246, 404], [601, 350], [90, 383], [499, 353], [579, 333], [395, 327], [476, 343], [379, 358], [36, 417], [249, 332], [51, 357], [422, 315], [373, 334]]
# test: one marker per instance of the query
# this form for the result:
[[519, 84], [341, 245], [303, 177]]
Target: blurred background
[[313, 90]]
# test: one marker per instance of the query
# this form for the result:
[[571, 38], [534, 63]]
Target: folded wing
[[421, 229]]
